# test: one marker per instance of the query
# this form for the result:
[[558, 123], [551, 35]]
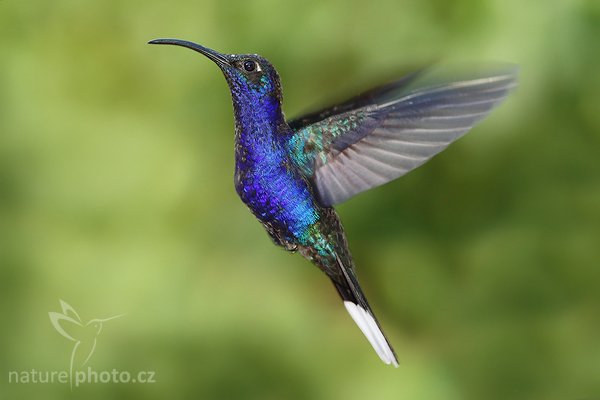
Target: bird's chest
[[264, 181], [274, 191]]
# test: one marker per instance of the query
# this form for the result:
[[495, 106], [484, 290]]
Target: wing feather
[[371, 140]]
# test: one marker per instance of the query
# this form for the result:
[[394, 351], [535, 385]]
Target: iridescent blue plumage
[[291, 173], [276, 193]]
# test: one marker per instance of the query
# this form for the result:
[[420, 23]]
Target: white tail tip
[[370, 329]]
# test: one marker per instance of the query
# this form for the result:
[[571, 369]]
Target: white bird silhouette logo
[[85, 335]]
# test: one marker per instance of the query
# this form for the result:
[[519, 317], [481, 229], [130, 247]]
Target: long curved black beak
[[217, 57]]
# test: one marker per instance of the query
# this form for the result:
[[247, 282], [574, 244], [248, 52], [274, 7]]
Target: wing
[[66, 326], [380, 136], [364, 99]]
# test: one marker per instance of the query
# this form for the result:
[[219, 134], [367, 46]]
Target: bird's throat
[[259, 121]]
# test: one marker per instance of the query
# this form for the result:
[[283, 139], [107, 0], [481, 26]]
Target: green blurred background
[[116, 196]]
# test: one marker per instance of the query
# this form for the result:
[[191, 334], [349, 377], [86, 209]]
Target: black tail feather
[[349, 290]]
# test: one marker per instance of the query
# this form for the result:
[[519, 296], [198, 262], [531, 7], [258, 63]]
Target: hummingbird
[[290, 173], [83, 335]]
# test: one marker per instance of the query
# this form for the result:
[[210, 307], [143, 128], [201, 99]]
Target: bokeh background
[[116, 196]]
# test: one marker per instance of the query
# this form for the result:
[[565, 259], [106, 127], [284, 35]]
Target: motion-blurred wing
[[393, 129], [364, 99]]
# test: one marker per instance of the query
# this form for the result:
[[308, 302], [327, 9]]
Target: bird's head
[[251, 78], [96, 324]]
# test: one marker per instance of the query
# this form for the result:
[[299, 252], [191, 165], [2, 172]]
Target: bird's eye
[[249, 65]]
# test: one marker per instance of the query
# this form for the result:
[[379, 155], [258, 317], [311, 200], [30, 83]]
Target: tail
[[359, 309]]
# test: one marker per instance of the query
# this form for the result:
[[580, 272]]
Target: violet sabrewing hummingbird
[[290, 173]]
